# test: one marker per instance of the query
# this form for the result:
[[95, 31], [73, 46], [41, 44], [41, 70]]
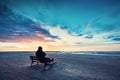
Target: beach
[[69, 66]]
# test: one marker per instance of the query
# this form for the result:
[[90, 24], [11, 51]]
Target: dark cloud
[[16, 27], [114, 37], [64, 27], [2, 41], [78, 43], [80, 34], [55, 37], [89, 36]]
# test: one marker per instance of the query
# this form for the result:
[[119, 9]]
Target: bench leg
[[37, 63], [31, 64], [47, 66]]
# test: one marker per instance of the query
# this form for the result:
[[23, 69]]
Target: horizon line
[[61, 51]]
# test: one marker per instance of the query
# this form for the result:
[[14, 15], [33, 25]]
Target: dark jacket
[[40, 55]]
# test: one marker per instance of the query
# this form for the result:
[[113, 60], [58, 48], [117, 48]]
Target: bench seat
[[35, 61]]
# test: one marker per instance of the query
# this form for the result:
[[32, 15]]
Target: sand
[[16, 66]]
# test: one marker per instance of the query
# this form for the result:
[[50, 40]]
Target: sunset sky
[[60, 25]]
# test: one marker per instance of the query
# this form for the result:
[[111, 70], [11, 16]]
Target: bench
[[35, 61]]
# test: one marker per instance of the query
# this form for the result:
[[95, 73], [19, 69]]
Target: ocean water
[[110, 53], [72, 66]]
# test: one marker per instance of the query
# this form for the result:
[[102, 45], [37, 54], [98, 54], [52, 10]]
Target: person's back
[[42, 57], [40, 54]]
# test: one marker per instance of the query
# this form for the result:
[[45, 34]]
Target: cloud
[[106, 37], [15, 27], [114, 37], [89, 36], [2, 41], [67, 38], [86, 38], [58, 23]]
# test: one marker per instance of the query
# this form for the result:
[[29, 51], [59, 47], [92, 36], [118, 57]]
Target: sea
[[101, 53]]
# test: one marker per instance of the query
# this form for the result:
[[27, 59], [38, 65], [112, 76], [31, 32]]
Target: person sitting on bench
[[41, 55]]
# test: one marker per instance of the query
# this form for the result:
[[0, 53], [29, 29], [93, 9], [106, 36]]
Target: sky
[[60, 25]]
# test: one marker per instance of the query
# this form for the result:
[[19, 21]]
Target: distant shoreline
[[61, 51]]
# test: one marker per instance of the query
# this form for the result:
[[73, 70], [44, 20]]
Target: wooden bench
[[35, 61]]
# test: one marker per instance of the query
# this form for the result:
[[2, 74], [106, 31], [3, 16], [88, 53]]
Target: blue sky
[[56, 24]]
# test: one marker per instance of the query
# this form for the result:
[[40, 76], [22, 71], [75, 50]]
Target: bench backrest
[[33, 57]]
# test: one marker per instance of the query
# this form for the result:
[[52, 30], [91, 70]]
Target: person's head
[[39, 48]]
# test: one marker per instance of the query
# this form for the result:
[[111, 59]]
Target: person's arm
[[44, 54], [37, 55]]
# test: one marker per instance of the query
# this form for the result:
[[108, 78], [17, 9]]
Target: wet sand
[[16, 66]]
